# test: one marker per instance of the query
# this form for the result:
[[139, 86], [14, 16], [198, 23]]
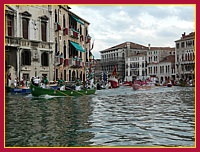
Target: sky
[[157, 25]]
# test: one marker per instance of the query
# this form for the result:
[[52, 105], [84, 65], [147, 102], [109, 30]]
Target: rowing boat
[[39, 91]]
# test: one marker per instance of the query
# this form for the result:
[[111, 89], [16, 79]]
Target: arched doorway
[[73, 75]]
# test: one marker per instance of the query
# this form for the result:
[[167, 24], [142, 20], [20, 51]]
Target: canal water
[[116, 117]]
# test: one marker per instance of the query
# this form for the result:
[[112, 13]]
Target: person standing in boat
[[22, 82], [46, 81], [9, 79], [15, 83], [37, 81]]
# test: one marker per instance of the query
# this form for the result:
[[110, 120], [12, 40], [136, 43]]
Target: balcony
[[75, 62], [25, 43], [57, 26], [10, 41], [65, 31], [73, 33], [87, 39], [16, 42], [58, 60]]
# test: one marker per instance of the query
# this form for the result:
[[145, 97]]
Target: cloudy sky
[[158, 25]]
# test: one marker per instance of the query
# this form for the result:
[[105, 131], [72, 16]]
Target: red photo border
[[87, 149]]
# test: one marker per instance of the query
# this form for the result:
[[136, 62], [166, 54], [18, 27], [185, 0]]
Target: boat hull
[[38, 91], [126, 83], [136, 86], [141, 87], [114, 82], [20, 90]]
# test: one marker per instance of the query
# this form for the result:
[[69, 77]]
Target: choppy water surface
[[114, 117]]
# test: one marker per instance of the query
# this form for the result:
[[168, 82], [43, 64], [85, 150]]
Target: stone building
[[118, 56], [161, 63], [28, 41], [141, 62], [45, 40], [136, 67], [72, 44], [111, 57], [185, 56], [135, 62]]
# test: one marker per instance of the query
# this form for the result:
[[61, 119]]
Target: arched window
[[25, 22], [26, 57], [56, 20], [186, 57], [44, 31], [56, 47], [45, 59], [64, 24], [64, 50], [10, 27], [73, 76]]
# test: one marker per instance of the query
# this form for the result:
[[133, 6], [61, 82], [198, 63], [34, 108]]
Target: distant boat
[[21, 90], [113, 80], [39, 91], [127, 83], [141, 85]]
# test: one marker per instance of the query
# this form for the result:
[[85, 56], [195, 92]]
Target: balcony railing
[[73, 33], [10, 41], [116, 59], [75, 62]]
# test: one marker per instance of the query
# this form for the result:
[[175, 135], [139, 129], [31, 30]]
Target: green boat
[[38, 91]]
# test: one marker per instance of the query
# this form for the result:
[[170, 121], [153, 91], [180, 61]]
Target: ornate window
[[25, 23], [45, 59], [10, 25], [26, 57], [44, 21]]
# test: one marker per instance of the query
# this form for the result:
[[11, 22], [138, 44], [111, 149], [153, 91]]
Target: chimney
[[149, 45], [183, 35]]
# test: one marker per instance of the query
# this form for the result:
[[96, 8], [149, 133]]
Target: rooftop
[[124, 45]]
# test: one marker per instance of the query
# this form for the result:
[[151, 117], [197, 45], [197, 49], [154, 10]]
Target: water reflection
[[115, 117]]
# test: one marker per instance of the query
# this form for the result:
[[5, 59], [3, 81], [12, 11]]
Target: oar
[[64, 93], [75, 91]]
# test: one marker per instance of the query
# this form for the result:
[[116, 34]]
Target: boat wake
[[45, 96]]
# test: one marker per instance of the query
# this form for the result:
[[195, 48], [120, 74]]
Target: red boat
[[113, 80], [127, 83], [141, 85]]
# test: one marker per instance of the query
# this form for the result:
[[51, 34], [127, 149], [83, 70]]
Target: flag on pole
[[114, 73], [92, 46], [91, 57]]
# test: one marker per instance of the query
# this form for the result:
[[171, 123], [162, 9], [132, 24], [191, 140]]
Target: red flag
[[114, 71]]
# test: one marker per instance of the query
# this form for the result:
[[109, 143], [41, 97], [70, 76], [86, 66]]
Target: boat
[[127, 83], [21, 90], [39, 91], [141, 85], [169, 85], [112, 80]]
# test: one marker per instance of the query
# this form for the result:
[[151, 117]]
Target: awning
[[77, 19], [77, 46]]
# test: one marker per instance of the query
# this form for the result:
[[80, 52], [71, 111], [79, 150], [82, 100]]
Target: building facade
[[136, 67], [185, 56], [161, 63], [140, 62], [135, 62], [45, 40], [114, 57], [72, 44], [28, 41]]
